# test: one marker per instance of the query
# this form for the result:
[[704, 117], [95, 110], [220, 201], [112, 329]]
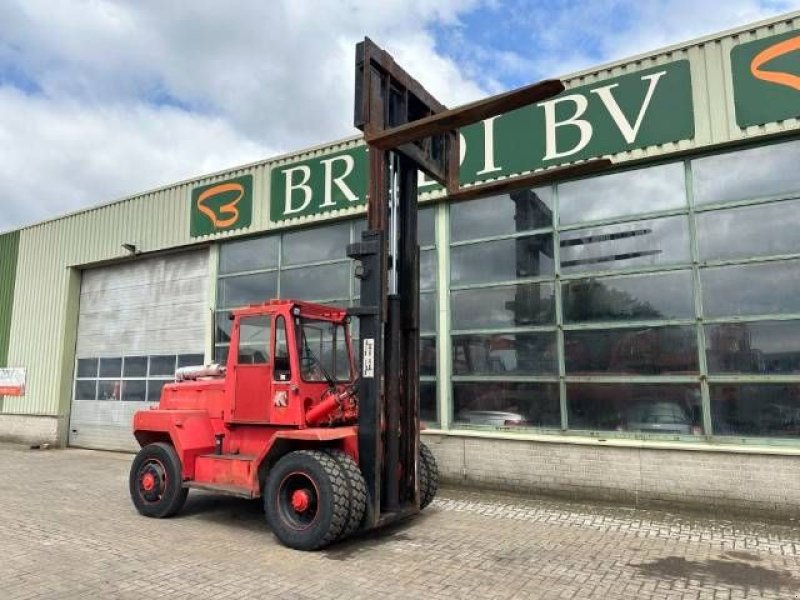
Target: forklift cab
[[284, 355]]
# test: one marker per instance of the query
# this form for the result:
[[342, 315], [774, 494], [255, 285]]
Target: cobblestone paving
[[68, 531]]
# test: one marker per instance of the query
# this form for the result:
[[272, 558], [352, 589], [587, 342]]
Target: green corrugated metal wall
[[9, 249]]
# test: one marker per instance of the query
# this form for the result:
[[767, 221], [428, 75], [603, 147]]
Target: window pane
[[503, 404], [221, 355], [233, 292], [428, 407], [191, 360], [427, 270], [754, 289], [770, 347], [110, 367], [86, 390], [745, 174], [162, 365], [506, 306], [109, 390], [222, 327], [154, 389], [631, 192], [426, 226], [316, 283], [249, 255], [650, 243], [254, 331], [749, 231], [641, 351], [654, 296], [647, 408], [486, 217], [316, 244], [134, 390], [135, 366], [764, 409], [427, 312], [502, 260], [427, 356], [505, 353], [87, 367]]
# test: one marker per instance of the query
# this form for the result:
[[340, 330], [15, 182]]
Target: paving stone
[[69, 531]]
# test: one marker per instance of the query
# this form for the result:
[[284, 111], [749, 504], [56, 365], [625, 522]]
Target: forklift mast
[[407, 130]]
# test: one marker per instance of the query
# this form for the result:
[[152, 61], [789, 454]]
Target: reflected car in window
[[661, 416], [491, 418]]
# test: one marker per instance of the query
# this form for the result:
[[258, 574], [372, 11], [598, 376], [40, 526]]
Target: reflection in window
[[234, 292], [154, 388], [426, 226], [134, 390], [86, 390], [316, 244], [254, 340], [162, 365], [749, 231], [752, 289], [642, 351], [109, 390], [645, 408], [428, 407], [135, 366], [639, 297], [769, 347], [87, 367], [747, 174], [511, 213], [628, 193], [650, 243], [427, 270], [427, 312], [756, 409], [316, 283], [504, 404], [518, 305], [110, 367], [248, 255], [427, 356], [502, 260], [283, 369], [222, 327], [505, 354]]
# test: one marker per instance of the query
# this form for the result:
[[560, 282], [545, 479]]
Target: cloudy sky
[[100, 99]]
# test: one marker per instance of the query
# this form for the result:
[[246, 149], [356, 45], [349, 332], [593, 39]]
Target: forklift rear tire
[[358, 491], [307, 499], [156, 481], [428, 476]]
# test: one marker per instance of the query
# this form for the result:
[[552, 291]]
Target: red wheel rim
[[298, 500], [152, 481]]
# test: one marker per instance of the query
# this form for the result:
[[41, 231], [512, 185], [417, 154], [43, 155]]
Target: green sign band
[[222, 206], [649, 107], [766, 79]]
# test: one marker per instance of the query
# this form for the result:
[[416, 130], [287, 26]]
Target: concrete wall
[[762, 484], [29, 429]]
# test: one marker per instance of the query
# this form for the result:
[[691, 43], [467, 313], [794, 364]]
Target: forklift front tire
[[428, 476], [307, 499], [156, 481]]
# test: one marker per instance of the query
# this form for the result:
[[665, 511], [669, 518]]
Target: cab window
[[283, 371], [254, 333]]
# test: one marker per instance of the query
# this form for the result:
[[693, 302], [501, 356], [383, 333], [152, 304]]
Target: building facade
[[633, 335]]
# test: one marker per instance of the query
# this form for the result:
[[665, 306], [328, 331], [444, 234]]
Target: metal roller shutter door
[[134, 319]]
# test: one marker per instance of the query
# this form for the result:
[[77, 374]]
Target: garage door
[[138, 322]]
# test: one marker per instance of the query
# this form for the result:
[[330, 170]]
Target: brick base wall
[[28, 429], [724, 482]]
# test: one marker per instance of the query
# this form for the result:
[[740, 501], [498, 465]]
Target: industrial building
[[633, 335]]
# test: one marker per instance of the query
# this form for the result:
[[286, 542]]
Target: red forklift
[[330, 447]]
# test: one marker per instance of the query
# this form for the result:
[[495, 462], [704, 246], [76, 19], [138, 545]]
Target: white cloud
[[126, 95]]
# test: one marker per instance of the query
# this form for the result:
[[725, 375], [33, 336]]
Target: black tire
[[156, 481], [428, 476], [358, 491], [307, 499]]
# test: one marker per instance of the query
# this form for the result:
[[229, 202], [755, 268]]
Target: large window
[[655, 302]]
